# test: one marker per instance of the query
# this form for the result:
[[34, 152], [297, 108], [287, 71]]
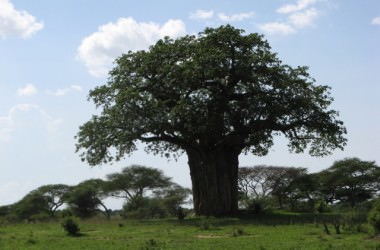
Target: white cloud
[[9, 123], [28, 90], [275, 28], [235, 17], [303, 19], [201, 15], [17, 23], [100, 49], [300, 5], [299, 15], [376, 21], [65, 91]]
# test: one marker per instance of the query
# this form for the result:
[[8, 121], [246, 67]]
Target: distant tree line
[[147, 193], [347, 183]]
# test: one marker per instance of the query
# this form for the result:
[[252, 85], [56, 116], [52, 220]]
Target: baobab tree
[[213, 97]]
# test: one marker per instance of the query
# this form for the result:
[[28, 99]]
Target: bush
[[353, 220], [70, 225], [152, 244], [144, 208], [374, 217]]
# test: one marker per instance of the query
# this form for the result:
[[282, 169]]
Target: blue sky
[[53, 52]]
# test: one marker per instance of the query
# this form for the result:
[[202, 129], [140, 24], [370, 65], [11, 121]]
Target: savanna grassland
[[195, 233]]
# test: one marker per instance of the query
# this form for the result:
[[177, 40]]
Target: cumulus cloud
[[28, 90], [300, 5], [8, 123], [17, 23], [277, 28], [100, 49], [376, 21], [303, 19], [202, 15], [65, 91], [298, 16], [235, 17]]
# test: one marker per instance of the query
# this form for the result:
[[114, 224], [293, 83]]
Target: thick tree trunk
[[214, 177]]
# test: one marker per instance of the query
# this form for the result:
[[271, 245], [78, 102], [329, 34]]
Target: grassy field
[[197, 233]]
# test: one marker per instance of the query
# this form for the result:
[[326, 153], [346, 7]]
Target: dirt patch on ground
[[210, 236]]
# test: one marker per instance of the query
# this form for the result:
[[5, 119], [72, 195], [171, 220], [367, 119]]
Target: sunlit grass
[[171, 234]]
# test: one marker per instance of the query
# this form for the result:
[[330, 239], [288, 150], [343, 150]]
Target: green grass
[[197, 233]]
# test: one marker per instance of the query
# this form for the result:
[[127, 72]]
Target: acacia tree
[[54, 195], [257, 182], [86, 198], [133, 181], [173, 197], [286, 184], [32, 204], [350, 180], [283, 183], [305, 188], [44, 200], [211, 96]]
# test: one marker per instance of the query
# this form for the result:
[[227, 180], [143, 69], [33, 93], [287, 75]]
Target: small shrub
[[238, 232], [374, 217], [151, 244], [31, 241], [71, 226], [205, 224]]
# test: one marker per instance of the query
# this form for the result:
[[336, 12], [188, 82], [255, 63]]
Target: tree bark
[[214, 176]]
